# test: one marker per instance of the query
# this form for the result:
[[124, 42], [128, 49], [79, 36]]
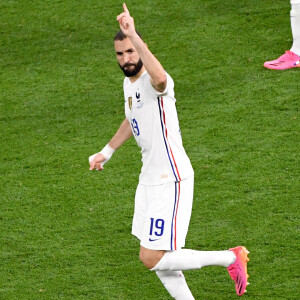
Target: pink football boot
[[286, 61], [238, 270]]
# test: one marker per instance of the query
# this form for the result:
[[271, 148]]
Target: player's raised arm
[[99, 159], [152, 65]]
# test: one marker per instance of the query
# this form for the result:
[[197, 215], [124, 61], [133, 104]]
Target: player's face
[[128, 58]]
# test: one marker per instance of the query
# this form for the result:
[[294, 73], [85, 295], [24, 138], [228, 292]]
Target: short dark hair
[[120, 36]]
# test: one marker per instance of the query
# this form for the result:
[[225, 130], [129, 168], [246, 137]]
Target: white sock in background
[[295, 24], [185, 259], [175, 284]]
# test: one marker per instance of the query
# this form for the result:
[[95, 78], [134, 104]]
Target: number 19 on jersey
[[135, 127]]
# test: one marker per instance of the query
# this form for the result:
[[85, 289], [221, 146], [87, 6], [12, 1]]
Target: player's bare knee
[[149, 261], [150, 258]]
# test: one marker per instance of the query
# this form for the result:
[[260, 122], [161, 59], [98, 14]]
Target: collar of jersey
[[143, 74]]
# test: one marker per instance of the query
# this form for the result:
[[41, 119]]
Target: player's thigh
[[140, 210], [168, 215], [184, 211]]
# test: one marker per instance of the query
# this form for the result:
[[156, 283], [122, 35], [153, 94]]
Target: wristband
[[107, 152]]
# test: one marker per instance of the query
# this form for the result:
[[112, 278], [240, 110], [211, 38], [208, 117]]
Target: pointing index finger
[[126, 9]]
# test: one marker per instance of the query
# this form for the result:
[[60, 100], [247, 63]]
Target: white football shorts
[[162, 214]]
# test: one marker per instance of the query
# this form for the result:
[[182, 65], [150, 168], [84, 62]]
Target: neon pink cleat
[[238, 270], [286, 61]]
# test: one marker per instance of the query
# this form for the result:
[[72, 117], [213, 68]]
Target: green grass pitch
[[65, 231]]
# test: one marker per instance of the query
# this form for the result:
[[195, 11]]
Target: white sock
[[295, 24], [175, 284], [185, 259]]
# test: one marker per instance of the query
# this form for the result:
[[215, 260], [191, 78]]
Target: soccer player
[[164, 195], [290, 59]]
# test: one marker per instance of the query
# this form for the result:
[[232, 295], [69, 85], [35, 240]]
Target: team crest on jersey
[[130, 102], [139, 100]]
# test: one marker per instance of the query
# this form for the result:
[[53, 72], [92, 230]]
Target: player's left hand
[[126, 22]]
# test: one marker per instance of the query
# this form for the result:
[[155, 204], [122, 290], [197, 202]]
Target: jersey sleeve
[[169, 90]]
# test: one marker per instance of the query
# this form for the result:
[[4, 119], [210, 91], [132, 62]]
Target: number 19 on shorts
[[156, 227]]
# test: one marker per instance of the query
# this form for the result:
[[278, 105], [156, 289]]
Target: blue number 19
[[159, 224], [135, 127]]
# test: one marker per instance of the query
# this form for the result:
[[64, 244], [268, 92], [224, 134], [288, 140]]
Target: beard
[[132, 71]]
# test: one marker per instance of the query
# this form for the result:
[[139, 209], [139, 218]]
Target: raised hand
[[126, 22]]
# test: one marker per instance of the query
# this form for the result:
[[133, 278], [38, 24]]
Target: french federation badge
[[130, 102]]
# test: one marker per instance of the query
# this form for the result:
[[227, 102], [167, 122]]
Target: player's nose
[[126, 58]]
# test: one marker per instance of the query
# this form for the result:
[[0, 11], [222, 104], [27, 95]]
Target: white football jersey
[[155, 126]]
